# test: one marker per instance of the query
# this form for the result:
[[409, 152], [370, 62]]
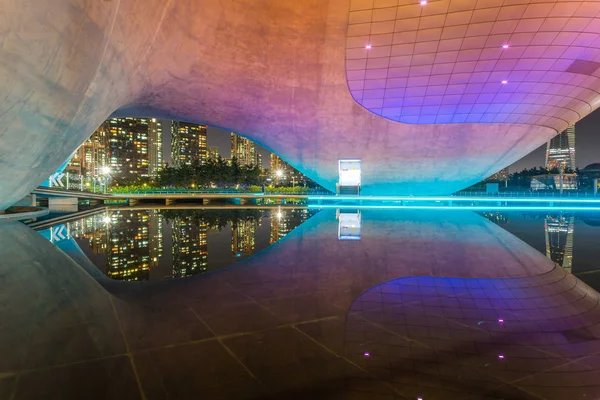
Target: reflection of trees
[[214, 219]]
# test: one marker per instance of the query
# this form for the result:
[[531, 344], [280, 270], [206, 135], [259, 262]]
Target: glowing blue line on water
[[482, 208], [450, 198]]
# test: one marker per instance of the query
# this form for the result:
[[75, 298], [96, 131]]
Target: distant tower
[[560, 151], [155, 151], [559, 240], [243, 149], [188, 144]]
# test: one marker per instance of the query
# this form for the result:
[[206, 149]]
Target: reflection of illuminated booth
[[349, 225], [349, 183]]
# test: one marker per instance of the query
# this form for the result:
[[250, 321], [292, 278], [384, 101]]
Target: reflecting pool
[[350, 304], [154, 244], [569, 239]]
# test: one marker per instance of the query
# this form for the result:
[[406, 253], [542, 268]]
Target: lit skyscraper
[[131, 147], [128, 143], [244, 150], [213, 153], [277, 164], [75, 165], [188, 144], [283, 173], [500, 176], [91, 156], [560, 151], [155, 147]]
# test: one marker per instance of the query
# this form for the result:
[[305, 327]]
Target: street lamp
[[279, 175], [106, 172]]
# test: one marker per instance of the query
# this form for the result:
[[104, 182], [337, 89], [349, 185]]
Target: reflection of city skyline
[[558, 236], [243, 237], [559, 232], [283, 221], [190, 249], [129, 244]]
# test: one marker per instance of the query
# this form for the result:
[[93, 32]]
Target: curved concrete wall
[[270, 70]]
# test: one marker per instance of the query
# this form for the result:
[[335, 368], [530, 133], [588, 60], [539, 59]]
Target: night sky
[[587, 146]]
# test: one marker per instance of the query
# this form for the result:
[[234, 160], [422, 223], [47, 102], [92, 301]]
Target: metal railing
[[222, 191], [575, 194]]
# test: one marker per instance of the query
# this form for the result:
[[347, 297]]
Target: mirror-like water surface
[[155, 244], [571, 240], [361, 304]]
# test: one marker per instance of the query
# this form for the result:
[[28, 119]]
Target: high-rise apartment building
[[188, 144], [75, 165], [128, 143], [560, 151], [155, 147], [500, 176], [212, 153], [283, 173], [244, 150], [277, 164], [130, 147], [91, 156]]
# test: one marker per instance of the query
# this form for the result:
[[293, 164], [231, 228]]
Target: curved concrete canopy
[[527, 62], [274, 71]]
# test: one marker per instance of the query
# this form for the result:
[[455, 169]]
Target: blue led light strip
[[450, 198], [482, 208]]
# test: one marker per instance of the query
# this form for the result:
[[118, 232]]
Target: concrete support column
[[27, 201], [205, 201], [169, 201], [62, 204], [132, 202]]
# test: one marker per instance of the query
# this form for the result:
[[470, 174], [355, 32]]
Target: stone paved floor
[[310, 317]]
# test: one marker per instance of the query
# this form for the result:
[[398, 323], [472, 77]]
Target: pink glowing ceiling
[[475, 61]]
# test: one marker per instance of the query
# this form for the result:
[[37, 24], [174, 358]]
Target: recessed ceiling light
[[504, 82], [368, 47], [423, 2], [505, 46]]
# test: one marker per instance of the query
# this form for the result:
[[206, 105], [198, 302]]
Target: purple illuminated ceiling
[[465, 61]]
